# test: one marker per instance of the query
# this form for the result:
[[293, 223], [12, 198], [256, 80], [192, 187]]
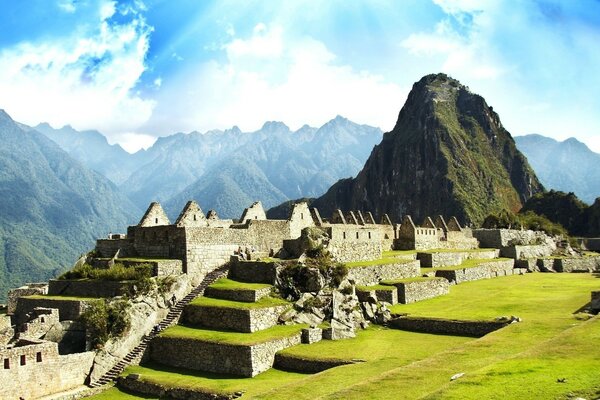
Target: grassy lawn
[[279, 331], [264, 302], [549, 355], [229, 284], [396, 253]]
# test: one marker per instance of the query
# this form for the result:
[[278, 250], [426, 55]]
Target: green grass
[[520, 361], [279, 331], [375, 287], [381, 261], [228, 284], [264, 302], [396, 253]]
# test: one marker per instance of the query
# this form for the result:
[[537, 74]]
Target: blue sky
[[140, 69]]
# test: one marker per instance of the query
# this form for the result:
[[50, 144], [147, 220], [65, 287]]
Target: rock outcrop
[[448, 154]]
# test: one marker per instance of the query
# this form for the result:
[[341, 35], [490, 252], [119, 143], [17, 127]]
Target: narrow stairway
[[172, 317]]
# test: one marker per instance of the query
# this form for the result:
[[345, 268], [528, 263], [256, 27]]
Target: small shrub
[[165, 284], [104, 320]]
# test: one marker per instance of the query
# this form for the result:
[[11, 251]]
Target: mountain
[[568, 166], [93, 150], [448, 154], [52, 208]]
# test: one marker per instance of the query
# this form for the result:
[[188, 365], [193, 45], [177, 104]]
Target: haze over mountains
[[569, 166], [228, 170], [52, 208]]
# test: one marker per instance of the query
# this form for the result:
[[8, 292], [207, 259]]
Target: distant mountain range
[[227, 170], [568, 166], [52, 208]]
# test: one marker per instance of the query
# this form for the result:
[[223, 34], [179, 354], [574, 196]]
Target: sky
[[139, 69]]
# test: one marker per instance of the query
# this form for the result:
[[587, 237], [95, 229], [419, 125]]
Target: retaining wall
[[451, 258], [421, 289], [239, 320], [484, 270], [245, 295], [139, 385], [446, 326], [242, 360], [308, 366], [373, 274], [252, 271], [582, 264]]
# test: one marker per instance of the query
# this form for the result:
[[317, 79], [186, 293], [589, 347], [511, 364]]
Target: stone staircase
[[135, 355]]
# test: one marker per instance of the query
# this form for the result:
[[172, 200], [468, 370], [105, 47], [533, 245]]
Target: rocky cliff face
[[448, 154]]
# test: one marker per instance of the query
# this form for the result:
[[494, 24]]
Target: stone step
[[385, 293], [232, 315], [417, 289], [241, 354], [228, 289]]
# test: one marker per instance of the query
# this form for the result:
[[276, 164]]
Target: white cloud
[[132, 142], [271, 76], [85, 80], [67, 6]]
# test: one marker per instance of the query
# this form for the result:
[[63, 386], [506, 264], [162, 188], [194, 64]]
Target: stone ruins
[[42, 337]]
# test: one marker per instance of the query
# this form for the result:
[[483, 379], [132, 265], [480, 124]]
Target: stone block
[[311, 335], [446, 326], [239, 294]]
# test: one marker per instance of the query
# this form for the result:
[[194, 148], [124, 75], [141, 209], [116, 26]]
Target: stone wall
[[499, 238], [67, 309], [235, 319], [353, 242], [238, 294], [26, 290], [485, 270], [373, 274], [40, 321], [527, 251], [579, 264], [421, 289], [241, 360], [288, 362], [451, 258], [107, 248], [446, 326], [252, 271], [136, 384], [89, 288], [45, 371]]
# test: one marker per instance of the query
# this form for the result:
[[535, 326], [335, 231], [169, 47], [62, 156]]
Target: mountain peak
[[274, 126], [4, 115], [448, 154]]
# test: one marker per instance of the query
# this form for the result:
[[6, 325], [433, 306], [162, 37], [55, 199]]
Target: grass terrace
[[552, 354], [454, 251], [381, 261], [229, 284], [375, 287], [391, 283], [209, 335], [264, 302]]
